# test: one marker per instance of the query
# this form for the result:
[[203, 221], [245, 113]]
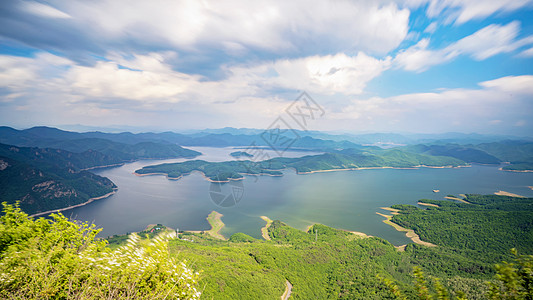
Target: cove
[[345, 199]]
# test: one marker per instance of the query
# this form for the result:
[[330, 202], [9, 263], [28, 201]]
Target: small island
[[349, 159], [239, 154]]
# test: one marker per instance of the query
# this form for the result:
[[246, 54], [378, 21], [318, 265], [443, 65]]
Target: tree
[[61, 259]]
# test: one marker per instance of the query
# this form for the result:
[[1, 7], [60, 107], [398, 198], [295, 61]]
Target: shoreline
[[357, 233], [185, 174], [297, 172], [427, 204], [408, 232], [214, 219], [504, 193], [360, 234], [379, 168], [107, 166], [517, 171], [134, 160], [264, 229], [77, 205]]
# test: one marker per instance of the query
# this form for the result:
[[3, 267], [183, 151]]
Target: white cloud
[[43, 10], [526, 53], [149, 81], [431, 28], [518, 85], [277, 26], [498, 103], [463, 11], [146, 91], [329, 74], [418, 58], [19, 73], [489, 41]]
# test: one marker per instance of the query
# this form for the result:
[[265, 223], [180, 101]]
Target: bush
[[59, 259]]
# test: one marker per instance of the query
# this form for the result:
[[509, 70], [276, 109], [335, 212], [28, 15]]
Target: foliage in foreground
[[513, 281], [59, 259]]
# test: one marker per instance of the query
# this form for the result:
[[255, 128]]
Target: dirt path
[[288, 290], [408, 232], [264, 229]]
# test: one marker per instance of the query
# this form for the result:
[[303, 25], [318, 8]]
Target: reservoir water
[[345, 199]]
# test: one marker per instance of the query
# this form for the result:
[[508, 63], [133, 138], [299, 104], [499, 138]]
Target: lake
[[345, 199]]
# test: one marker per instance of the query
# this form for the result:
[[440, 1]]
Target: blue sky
[[420, 66]]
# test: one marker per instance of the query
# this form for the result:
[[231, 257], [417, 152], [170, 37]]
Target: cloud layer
[[192, 64]]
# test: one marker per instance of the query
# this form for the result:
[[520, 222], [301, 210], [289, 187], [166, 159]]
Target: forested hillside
[[339, 160], [519, 154], [48, 179], [471, 236]]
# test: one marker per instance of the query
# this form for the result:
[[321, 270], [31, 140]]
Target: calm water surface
[[346, 199]]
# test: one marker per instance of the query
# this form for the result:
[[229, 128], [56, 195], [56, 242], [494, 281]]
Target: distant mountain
[[132, 147], [48, 179], [77, 142], [380, 138], [465, 153], [518, 153], [124, 152]]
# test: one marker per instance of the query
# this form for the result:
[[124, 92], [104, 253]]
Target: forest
[[39, 256], [339, 160]]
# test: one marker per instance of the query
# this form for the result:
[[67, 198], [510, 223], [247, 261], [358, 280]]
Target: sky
[[420, 66]]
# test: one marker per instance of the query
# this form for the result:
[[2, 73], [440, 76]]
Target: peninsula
[[348, 159]]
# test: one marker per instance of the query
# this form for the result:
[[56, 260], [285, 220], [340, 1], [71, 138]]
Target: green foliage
[[519, 166], [514, 280], [60, 259], [47, 179], [518, 153], [338, 265], [490, 225], [345, 159], [241, 154], [464, 153], [240, 237]]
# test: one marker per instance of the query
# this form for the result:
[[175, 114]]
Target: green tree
[[61, 259], [514, 280]]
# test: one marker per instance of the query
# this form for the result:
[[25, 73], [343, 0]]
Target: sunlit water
[[344, 199]]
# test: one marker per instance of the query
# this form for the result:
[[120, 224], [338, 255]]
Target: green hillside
[[346, 159], [519, 154], [39, 256], [48, 179], [471, 237]]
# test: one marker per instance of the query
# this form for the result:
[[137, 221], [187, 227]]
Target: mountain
[[47, 179], [464, 153], [340, 160], [55, 138], [379, 138], [50, 174], [519, 154]]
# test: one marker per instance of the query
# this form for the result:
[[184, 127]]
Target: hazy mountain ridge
[[519, 154]]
